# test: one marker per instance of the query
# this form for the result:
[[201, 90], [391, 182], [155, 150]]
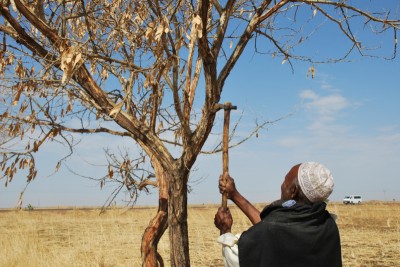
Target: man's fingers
[[221, 186], [221, 214], [223, 211], [221, 189]]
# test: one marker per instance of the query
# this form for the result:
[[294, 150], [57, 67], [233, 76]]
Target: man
[[296, 230]]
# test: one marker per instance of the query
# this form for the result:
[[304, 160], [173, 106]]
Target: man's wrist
[[226, 230], [235, 196]]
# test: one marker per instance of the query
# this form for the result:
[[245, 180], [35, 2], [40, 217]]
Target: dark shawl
[[300, 235]]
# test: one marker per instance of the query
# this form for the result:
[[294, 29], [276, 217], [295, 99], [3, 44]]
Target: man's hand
[[227, 186], [223, 220]]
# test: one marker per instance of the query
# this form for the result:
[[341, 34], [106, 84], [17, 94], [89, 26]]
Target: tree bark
[[158, 225], [152, 235], [177, 219]]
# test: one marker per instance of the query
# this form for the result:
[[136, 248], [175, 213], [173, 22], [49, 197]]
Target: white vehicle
[[352, 199]]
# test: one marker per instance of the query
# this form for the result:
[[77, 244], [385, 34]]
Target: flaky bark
[[159, 223], [152, 235]]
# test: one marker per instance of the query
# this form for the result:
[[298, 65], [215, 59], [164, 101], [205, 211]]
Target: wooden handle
[[225, 147]]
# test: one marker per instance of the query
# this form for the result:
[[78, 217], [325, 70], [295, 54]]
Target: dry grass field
[[370, 235]]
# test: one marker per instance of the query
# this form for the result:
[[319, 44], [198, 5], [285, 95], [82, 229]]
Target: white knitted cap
[[315, 181]]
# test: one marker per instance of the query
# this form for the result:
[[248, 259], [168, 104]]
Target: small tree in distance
[[141, 69]]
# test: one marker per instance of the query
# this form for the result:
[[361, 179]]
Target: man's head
[[307, 182]]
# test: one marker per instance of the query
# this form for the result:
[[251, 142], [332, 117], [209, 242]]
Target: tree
[[143, 70]]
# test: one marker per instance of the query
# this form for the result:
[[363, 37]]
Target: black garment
[[293, 236]]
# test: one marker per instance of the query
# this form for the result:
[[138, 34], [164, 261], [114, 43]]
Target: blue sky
[[347, 118]]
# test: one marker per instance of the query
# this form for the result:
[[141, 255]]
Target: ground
[[370, 234]]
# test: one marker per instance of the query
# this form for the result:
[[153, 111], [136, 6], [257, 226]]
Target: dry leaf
[[315, 12], [58, 166], [196, 20], [116, 109], [110, 172], [159, 32], [70, 57], [17, 96], [69, 107], [300, 40], [104, 73], [150, 32], [197, 27], [311, 71], [35, 146]]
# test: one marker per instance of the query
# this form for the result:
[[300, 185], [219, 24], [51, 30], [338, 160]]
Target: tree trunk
[[152, 235], [158, 225], [177, 219]]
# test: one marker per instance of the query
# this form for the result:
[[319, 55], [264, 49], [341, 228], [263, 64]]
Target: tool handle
[[225, 155]]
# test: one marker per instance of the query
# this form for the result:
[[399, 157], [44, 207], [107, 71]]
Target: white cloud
[[324, 111], [390, 138], [308, 94], [324, 105], [388, 129]]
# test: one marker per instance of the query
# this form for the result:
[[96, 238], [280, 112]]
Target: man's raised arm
[[228, 187]]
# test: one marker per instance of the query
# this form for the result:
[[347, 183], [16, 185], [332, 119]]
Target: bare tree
[[152, 71]]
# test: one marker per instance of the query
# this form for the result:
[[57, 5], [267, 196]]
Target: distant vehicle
[[352, 199]]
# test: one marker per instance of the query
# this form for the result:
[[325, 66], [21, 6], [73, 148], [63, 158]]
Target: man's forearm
[[248, 209]]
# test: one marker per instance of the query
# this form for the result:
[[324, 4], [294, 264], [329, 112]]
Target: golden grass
[[370, 235]]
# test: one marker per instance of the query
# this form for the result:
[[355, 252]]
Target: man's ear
[[294, 191]]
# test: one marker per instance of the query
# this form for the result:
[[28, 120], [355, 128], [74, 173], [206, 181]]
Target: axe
[[227, 107]]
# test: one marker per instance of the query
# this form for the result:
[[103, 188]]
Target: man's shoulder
[[290, 211]]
